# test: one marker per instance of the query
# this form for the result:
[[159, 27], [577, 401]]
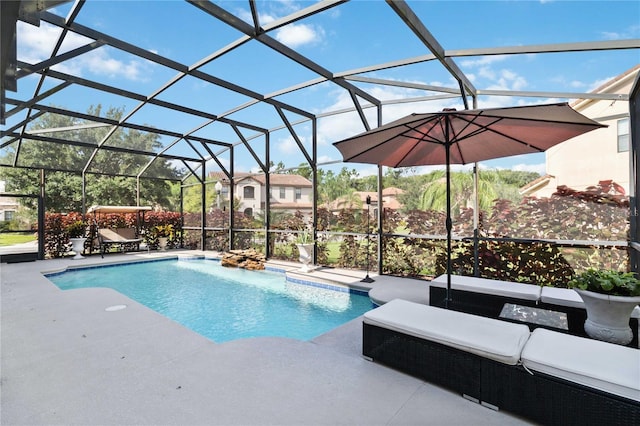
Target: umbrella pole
[[447, 300], [476, 222]]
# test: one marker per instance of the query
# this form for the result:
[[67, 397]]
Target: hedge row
[[58, 225]]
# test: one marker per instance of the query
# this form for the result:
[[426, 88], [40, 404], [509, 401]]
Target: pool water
[[224, 304]]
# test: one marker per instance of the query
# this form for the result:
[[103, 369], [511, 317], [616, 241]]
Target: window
[[623, 135], [249, 192], [8, 215], [298, 193], [282, 192]]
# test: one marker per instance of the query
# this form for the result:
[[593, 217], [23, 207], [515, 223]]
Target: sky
[[351, 36]]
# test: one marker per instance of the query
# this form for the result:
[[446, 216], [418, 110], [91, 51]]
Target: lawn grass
[[9, 239], [333, 252]]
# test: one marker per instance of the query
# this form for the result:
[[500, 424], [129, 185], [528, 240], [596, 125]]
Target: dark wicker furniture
[[538, 397], [490, 305]]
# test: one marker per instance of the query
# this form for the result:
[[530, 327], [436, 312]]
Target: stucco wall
[[587, 159]]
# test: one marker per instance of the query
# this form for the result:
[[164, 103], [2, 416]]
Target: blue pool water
[[224, 304]]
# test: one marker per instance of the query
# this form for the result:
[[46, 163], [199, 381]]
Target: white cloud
[[326, 159], [484, 72], [539, 168], [35, 44], [482, 61], [295, 35], [287, 145], [623, 33], [487, 73], [611, 35], [334, 128], [593, 86], [368, 170], [505, 79]]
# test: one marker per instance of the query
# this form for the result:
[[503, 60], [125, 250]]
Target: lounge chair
[[544, 376]]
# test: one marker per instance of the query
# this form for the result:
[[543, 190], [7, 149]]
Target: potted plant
[[163, 233], [76, 231], [305, 245], [609, 297]]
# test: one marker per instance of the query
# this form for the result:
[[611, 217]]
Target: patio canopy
[[118, 209]]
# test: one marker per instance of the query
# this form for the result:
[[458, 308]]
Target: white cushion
[[605, 366], [490, 338], [488, 286], [561, 296], [569, 297]]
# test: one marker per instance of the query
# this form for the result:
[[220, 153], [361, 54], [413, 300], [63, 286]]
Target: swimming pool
[[224, 304]]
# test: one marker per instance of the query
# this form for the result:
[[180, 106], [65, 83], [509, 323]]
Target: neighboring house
[[289, 193], [358, 200], [600, 155], [8, 205]]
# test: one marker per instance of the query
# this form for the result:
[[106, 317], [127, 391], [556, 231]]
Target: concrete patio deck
[[67, 360]]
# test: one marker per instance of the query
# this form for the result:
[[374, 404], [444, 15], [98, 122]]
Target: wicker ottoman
[[444, 347]]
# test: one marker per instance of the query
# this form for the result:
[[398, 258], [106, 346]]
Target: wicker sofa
[[545, 376], [487, 297]]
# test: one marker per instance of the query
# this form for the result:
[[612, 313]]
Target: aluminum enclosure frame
[[204, 150]]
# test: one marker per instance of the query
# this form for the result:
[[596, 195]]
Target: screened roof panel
[[128, 164], [261, 115], [203, 96], [181, 149], [266, 70], [52, 154], [353, 35], [218, 132], [158, 116], [81, 100], [7, 152], [139, 21], [233, 65], [285, 150], [114, 67], [224, 158]]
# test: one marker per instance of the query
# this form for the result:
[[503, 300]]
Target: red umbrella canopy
[[471, 135]]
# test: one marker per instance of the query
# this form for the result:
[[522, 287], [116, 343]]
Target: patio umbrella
[[461, 137]]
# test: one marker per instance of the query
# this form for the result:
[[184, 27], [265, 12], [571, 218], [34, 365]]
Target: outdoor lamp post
[[218, 187], [368, 279]]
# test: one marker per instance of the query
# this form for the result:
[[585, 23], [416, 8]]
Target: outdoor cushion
[[109, 235], [490, 338], [600, 365], [568, 297], [489, 286], [127, 233], [561, 296]]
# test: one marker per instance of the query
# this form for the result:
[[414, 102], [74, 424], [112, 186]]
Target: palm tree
[[490, 188]]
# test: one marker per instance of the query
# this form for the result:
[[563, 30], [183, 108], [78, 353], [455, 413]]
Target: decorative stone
[[246, 259]]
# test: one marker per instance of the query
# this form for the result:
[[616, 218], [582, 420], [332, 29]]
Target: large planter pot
[[306, 256], [608, 316], [162, 243], [77, 246]]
